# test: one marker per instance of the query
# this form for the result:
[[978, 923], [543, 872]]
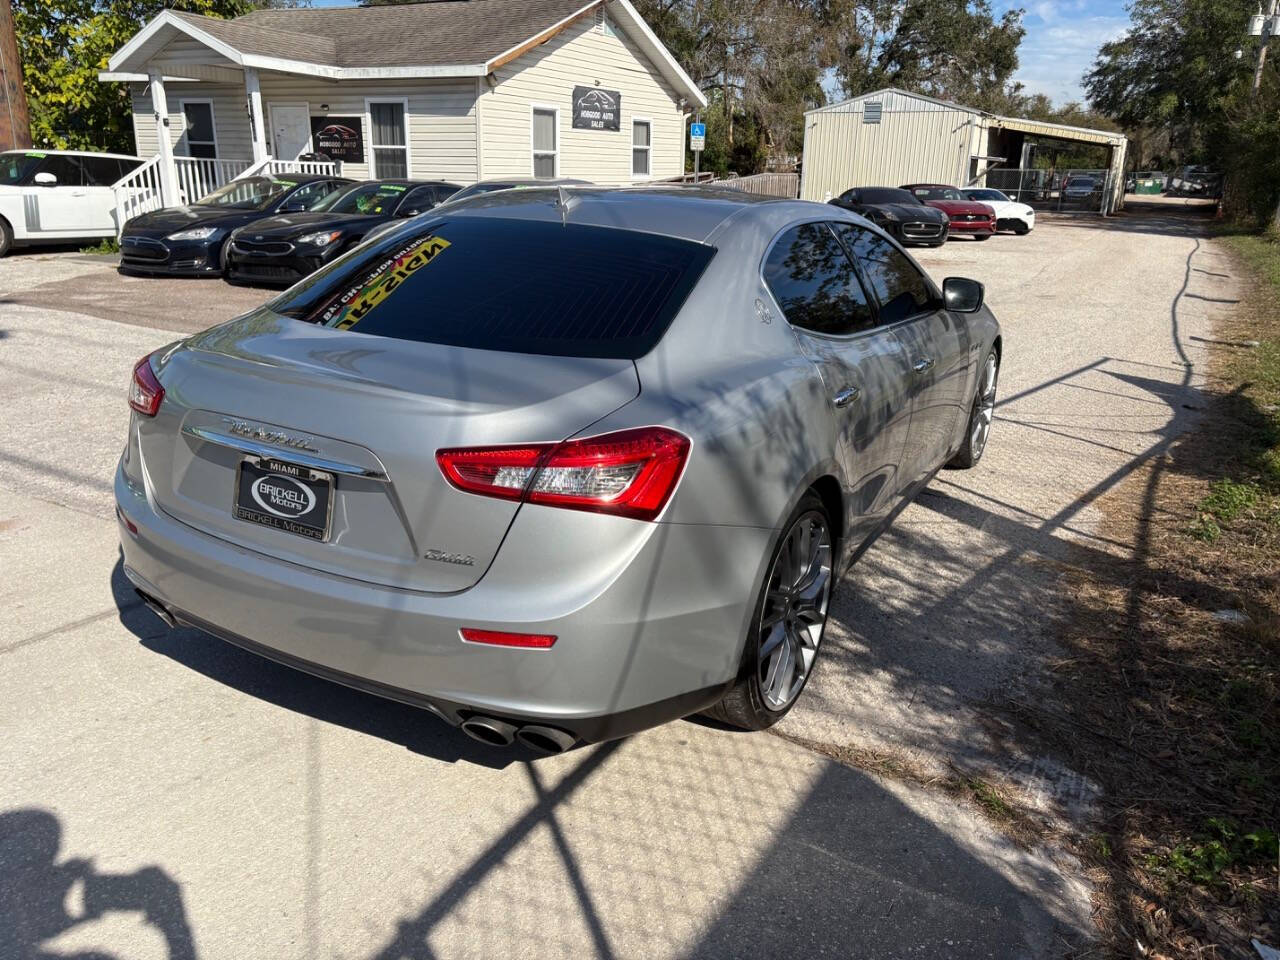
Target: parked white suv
[[58, 196]]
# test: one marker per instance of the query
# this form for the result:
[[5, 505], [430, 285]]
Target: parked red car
[[967, 216]]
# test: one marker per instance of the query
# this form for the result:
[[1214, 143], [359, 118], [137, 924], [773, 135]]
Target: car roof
[[73, 153], [689, 213], [911, 186], [304, 177]]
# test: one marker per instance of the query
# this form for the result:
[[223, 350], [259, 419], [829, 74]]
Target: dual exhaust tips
[[488, 730], [498, 733]]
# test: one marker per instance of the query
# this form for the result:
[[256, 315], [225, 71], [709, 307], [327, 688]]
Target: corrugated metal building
[[891, 137]]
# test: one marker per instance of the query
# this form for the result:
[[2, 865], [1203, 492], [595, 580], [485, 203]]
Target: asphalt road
[[166, 794]]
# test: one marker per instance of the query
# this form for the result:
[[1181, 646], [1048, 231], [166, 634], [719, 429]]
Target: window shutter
[[871, 111]]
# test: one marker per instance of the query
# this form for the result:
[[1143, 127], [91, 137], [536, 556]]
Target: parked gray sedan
[[558, 465]]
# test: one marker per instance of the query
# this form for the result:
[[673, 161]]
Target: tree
[[65, 43], [952, 49], [759, 63], [1175, 82]]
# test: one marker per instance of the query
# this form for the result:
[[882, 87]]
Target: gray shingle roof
[[435, 33]]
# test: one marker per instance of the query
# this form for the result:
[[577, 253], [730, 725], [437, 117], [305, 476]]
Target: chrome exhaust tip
[[156, 607], [489, 730], [545, 739]]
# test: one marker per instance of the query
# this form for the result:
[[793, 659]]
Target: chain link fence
[[1082, 190]]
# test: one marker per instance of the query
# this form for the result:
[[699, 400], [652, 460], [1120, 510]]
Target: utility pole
[[1262, 46], [15, 123]]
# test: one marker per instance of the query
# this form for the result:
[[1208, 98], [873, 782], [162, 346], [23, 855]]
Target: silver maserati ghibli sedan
[[557, 465]]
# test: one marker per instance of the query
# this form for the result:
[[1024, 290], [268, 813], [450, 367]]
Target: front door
[[862, 365], [936, 342], [290, 130]]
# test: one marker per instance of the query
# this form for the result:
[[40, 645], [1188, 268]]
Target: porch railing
[[138, 192], [198, 176], [323, 168]]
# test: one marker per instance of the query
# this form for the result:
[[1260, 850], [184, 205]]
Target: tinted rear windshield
[[514, 285]]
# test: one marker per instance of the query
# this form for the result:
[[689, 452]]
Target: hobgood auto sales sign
[[596, 109], [338, 138]]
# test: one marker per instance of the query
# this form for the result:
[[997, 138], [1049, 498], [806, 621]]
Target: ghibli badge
[[254, 432], [443, 557]]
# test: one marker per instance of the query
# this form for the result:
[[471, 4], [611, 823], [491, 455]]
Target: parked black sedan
[[190, 241], [898, 213], [287, 247]]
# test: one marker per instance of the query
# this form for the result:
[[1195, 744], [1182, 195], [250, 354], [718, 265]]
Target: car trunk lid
[[371, 412]]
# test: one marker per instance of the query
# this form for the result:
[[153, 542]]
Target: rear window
[[513, 285]]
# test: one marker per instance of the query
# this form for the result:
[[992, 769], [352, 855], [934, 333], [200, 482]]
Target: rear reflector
[[499, 638], [631, 473], [145, 392]]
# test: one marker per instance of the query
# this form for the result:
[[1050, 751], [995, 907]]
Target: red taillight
[[631, 473], [145, 392], [500, 638]]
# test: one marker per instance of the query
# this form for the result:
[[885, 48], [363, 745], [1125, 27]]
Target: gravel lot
[[164, 790]]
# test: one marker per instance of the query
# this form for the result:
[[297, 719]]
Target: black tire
[[984, 400], [936, 245], [745, 705], [6, 237], [982, 236], [1020, 228]]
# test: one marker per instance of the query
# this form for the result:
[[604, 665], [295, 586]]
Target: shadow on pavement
[[413, 728], [37, 893]]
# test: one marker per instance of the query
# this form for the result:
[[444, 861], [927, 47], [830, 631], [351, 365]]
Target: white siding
[[581, 55], [230, 124], [442, 130], [442, 118]]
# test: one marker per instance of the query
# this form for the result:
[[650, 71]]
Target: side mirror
[[293, 206], [411, 212], [45, 179], [962, 295]]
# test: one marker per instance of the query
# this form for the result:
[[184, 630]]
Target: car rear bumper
[[661, 638]]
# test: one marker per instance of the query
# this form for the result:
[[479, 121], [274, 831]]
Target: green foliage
[[761, 62], [1174, 81], [1228, 499], [1221, 847], [105, 247], [64, 43]]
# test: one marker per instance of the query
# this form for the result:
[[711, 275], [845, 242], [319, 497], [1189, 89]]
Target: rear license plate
[[285, 496]]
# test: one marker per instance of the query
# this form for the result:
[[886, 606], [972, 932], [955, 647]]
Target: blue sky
[[1063, 36]]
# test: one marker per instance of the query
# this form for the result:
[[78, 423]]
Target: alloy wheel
[[986, 409], [795, 611]]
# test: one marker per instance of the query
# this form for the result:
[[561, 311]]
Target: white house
[[459, 90]]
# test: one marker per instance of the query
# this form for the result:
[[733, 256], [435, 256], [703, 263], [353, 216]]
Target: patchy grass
[[104, 248], [1170, 697]]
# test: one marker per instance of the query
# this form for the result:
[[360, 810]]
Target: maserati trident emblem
[[444, 557], [242, 428]]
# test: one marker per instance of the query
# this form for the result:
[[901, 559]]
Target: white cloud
[[1056, 53]]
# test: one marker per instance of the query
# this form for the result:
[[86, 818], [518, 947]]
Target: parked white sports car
[[1010, 215]]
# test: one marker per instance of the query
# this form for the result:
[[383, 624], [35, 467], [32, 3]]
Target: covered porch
[[200, 116]]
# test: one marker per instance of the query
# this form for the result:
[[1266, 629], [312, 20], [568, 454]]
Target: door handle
[[846, 396], [923, 364]]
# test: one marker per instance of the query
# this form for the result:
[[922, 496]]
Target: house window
[[390, 140], [198, 123], [641, 147], [546, 152]]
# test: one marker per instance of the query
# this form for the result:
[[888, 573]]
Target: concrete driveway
[[165, 794]]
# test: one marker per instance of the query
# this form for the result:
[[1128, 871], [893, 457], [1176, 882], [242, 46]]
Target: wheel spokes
[[794, 614]]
